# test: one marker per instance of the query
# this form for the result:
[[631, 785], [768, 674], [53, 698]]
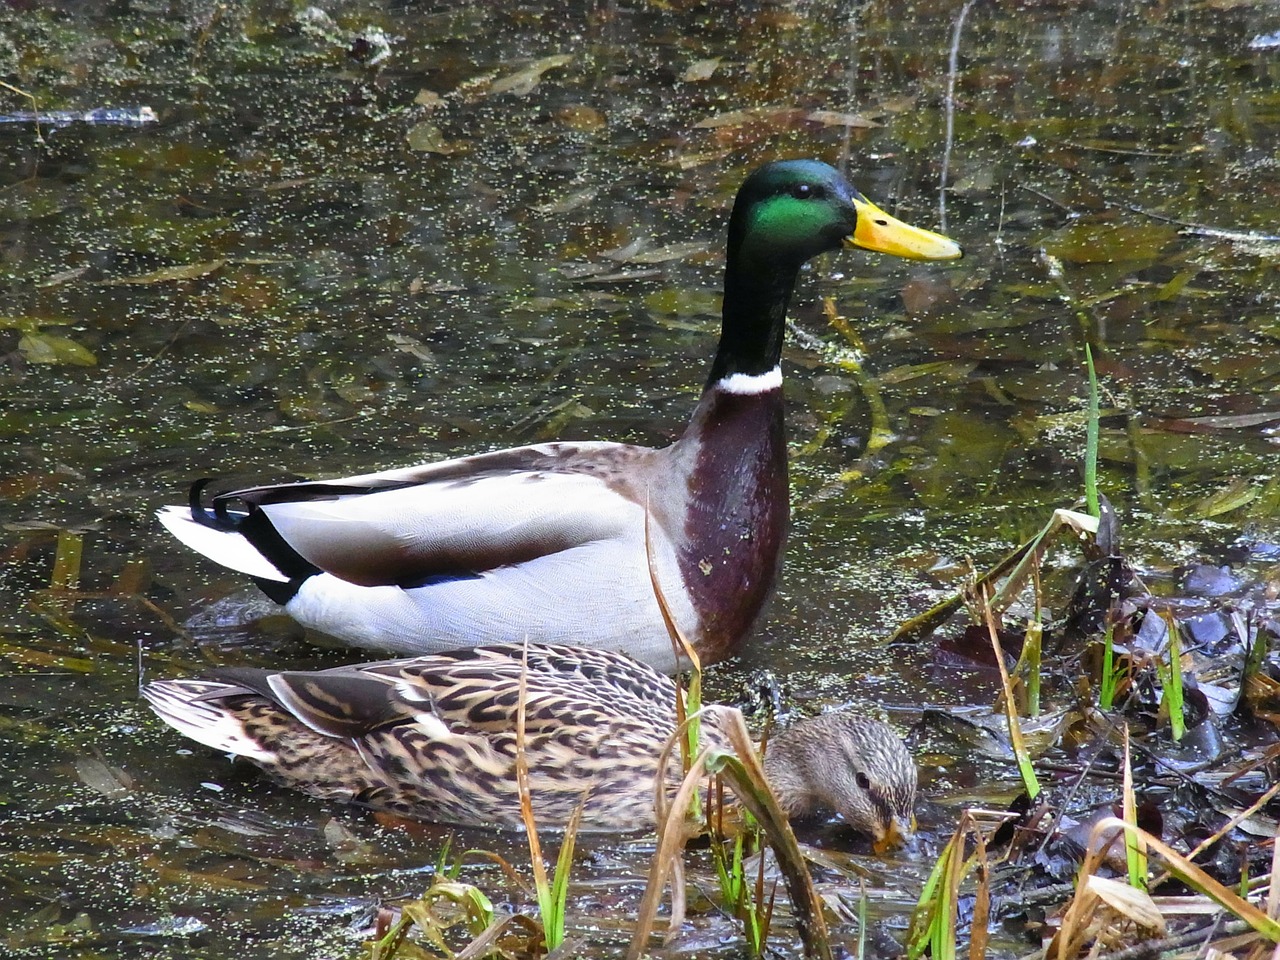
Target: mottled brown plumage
[[435, 738]]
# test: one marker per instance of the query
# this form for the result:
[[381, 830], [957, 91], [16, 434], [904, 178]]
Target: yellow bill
[[878, 231], [899, 830]]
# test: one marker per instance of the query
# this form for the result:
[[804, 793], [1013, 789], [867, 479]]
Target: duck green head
[[791, 210], [786, 213]]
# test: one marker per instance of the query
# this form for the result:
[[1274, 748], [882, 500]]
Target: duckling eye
[[863, 781], [803, 191]]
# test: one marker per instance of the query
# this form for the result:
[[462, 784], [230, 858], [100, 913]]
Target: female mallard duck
[[550, 541], [435, 738]]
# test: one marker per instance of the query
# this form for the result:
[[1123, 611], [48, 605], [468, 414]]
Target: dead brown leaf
[[524, 82], [183, 271], [428, 138], [835, 118], [579, 116], [700, 70]]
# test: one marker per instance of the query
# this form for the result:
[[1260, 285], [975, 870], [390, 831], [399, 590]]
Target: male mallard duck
[[435, 738], [549, 541]]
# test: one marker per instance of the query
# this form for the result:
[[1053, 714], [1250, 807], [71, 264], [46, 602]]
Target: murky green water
[[317, 265]]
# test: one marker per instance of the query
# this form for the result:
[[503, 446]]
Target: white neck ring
[[748, 384]]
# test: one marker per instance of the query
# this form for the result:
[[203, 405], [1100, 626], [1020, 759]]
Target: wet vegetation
[[364, 234]]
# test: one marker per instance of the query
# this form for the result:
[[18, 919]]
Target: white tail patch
[[749, 384], [179, 704], [221, 546], [433, 726]]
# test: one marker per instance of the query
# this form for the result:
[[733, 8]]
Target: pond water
[[363, 235]]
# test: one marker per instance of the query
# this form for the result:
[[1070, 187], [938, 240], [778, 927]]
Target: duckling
[[434, 738], [555, 541]]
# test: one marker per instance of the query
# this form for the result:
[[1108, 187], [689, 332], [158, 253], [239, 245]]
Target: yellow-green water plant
[[1006, 579], [741, 769], [1135, 851], [933, 924], [1112, 672], [864, 905], [1030, 660], [1172, 701], [447, 903], [1022, 564], [1256, 656], [451, 902], [746, 899], [732, 840]]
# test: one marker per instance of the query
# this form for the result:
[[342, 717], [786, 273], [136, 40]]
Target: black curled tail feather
[[254, 526], [218, 518]]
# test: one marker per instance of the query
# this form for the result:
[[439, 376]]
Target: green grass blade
[[553, 915], [932, 928], [1134, 851], [1173, 686], [1107, 689]]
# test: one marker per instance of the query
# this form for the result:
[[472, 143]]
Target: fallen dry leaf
[[184, 271], [834, 118], [524, 82], [53, 349], [701, 70], [579, 116], [429, 99], [428, 138]]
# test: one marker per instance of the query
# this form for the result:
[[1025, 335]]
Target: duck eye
[[863, 781], [803, 191]]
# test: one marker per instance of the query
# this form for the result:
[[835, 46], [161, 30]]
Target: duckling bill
[[553, 541], [435, 738]]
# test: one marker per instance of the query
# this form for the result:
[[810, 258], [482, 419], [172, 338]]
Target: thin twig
[[952, 67], [1153, 948]]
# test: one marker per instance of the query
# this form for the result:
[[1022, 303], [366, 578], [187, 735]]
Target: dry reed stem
[[1074, 931], [671, 840], [806, 905]]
